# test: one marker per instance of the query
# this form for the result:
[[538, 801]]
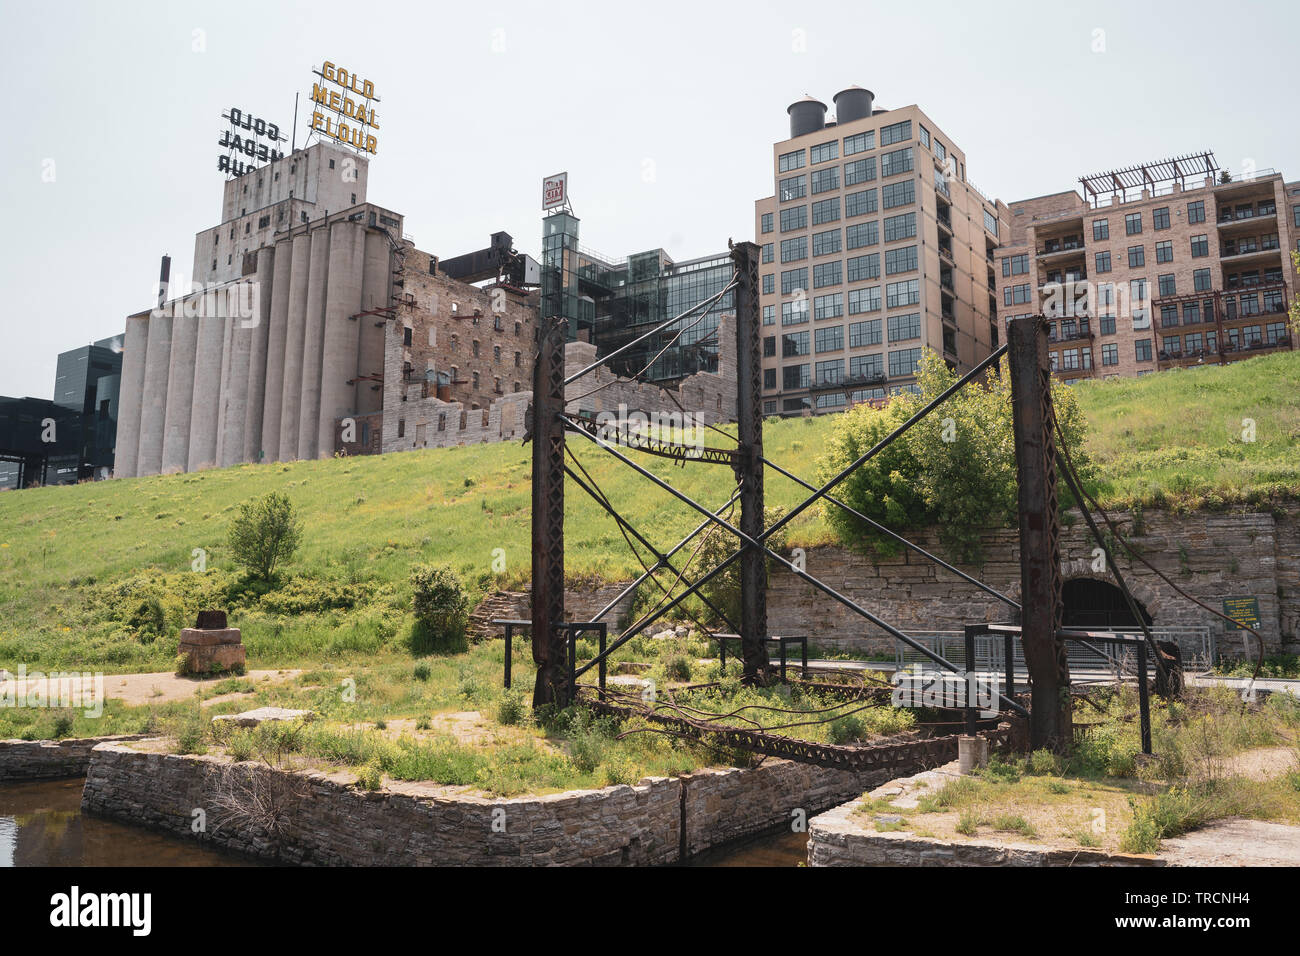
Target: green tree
[[265, 535], [956, 468], [440, 605]]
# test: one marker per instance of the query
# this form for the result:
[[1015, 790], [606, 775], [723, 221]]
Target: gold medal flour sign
[[343, 109]]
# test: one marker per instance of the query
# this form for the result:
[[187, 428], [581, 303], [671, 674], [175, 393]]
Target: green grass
[[76, 560]]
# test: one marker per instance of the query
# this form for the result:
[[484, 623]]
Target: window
[[769, 315], [1167, 284], [1142, 350], [860, 143], [942, 152], [1196, 211], [990, 222], [1168, 316], [1133, 224], [1191, 313], [827, 273], [864, 333], [1016, 294], [792, 250], [769, 284], [1160, 218], [824, 152], [794, 313], [788, 161], [830, 339], [768, 252], [824, 180], [1200, 246], [860, 171], [826, 210], [907, 292], [767, 222], [1100, 229], [899, 161], [1107, 325], [904, 327], [864, 300], [1103, 262], [1201, 280], [794, 376], [866, 366], [830, 371], [900, 227], [793, 187], [794, 344], [864, 267], [825, 243], [898, 194], [796, 217], [862, 234], [902, 259], [859, 203], [1137, 257], [896, 133], [904, 362], [1110, 354], [792, 279], [828, 307], [924, 135], [769, 383], [1015, 265], [1164, 251]]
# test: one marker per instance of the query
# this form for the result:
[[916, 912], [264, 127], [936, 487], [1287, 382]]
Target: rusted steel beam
[[749, 467], [1040, 532], [547, 434]]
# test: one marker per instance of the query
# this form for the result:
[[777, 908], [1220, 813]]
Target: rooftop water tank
[[853, 104], [806, 116]]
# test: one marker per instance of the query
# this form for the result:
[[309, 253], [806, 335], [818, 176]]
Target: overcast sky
[[663, 113]]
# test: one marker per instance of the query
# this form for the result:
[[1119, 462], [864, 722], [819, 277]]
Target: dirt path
[[134, 689], [1235, 843]]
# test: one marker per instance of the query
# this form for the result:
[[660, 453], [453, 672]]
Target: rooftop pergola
[[1149, 176]]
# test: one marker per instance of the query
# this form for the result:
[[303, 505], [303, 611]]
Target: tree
[[265, 535], [440, 604], [955, 468]]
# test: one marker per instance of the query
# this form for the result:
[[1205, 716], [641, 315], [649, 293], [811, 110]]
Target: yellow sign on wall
[[349, 120]]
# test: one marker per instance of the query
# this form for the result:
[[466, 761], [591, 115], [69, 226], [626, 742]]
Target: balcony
[[944, 220], [1075, 335], [945, 253], [1071, 247]]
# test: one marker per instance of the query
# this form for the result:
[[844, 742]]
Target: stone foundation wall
[[838, 838], [325, 821], [49, 759], [1211, 556]]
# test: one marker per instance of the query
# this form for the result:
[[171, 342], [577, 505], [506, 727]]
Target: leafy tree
[[440, 604], [265, 535], [724, 590], [956, 468]]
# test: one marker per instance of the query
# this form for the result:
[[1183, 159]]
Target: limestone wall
[[48, 759], [323, 820], [1211, 556]]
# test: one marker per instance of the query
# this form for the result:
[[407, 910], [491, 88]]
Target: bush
[[510, 708], [264, 535], [148, 620], [846, 730], [440, 605], [954, 469]]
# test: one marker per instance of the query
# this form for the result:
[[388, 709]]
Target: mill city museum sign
[[247, 136], [337, 115]]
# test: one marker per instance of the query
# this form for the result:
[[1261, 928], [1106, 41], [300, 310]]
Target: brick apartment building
[[875, 245], [1155, 266]]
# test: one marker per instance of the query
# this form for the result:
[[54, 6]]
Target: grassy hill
[[73, 559]]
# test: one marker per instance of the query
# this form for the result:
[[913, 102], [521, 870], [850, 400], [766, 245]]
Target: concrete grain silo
[[153, 404], [312, 342], [180, 394], [291, 393], [275, 347], [257, 358], [134, 344], [207, 390], [340, 340]]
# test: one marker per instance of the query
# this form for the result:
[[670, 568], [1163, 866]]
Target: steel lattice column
[[1040, 532], [749, 464], [549, 647]]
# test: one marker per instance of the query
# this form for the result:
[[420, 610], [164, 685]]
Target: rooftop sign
[[343, 109]]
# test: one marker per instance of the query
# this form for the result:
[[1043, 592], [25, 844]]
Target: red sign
[[555, 190]]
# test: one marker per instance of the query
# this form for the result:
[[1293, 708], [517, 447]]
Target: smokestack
[[164, 279]]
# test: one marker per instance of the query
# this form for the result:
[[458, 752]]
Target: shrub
[[847, 729], [969, 822], [510, 708], [1044, 763], [370, 777], [422, 671], [264, 535], [440, 605], [148, 620]]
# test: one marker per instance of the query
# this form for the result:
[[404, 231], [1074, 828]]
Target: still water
[[41, 824]]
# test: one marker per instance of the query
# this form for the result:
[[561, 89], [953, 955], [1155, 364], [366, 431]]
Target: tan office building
[[874, 246], [1155, 266]]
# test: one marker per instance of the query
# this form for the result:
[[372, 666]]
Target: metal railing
[[1197, 645]]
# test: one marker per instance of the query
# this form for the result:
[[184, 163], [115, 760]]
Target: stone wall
[[49, 759], [838, 838], [323, 820], [1211, 556]]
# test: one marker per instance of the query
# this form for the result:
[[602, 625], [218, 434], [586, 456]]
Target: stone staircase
[[498, 604]]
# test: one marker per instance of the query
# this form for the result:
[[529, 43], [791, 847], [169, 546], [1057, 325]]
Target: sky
[[662, 113]]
